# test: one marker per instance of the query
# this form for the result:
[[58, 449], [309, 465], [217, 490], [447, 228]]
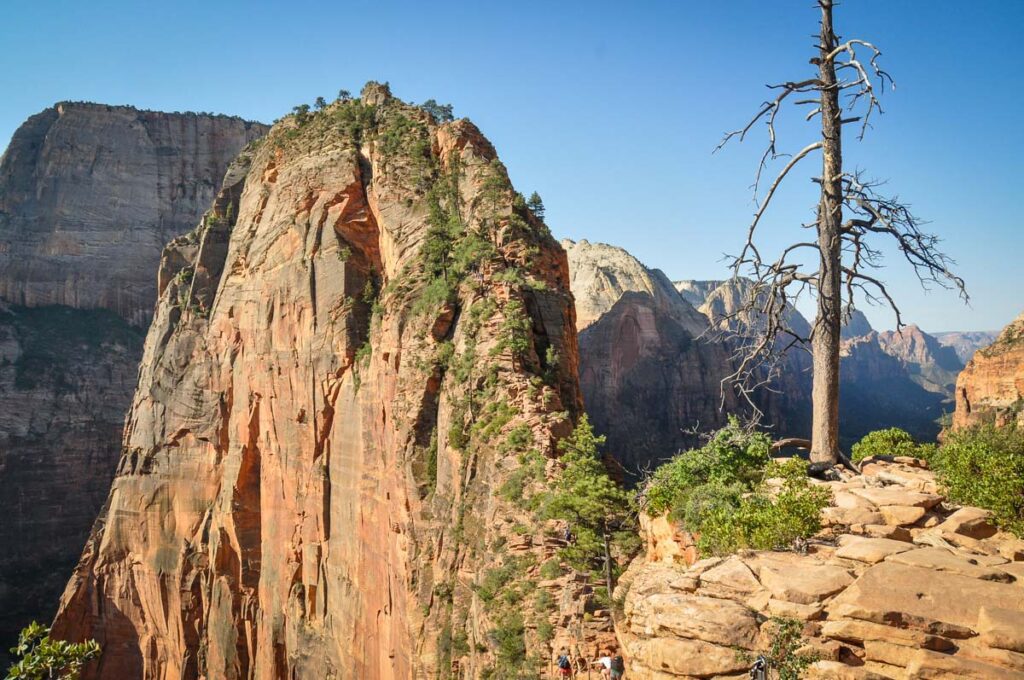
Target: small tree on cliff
[[536, 205], [593, 504], [320, 104], [845, 250], [42, 658]]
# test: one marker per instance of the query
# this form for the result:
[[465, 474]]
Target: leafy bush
[[890, 442], [765, 519], [785, 662], [727, 493], [734, 455], [984, 466], [43, 657]]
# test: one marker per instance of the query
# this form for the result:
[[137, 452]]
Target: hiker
[[565, 664], [618, 668], [605, 662]]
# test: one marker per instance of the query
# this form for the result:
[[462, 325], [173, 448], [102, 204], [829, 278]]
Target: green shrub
[[550, 569], [40, 656], [722, 492], [734, 455], [890, 442], [984, 466], [765, 519], [785, 638]]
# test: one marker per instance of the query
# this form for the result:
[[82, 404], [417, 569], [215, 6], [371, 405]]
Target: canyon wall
[[991, 388], [88, 196], [359, 367]]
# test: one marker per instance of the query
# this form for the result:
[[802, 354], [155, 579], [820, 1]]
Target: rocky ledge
[[899, 584]]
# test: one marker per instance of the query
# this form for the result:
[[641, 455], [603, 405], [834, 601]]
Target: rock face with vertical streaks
[[364, 341], [89, 194], [991, 388]]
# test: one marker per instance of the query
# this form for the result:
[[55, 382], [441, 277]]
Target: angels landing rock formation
[[991, 388], [359, 367], [88, 196]]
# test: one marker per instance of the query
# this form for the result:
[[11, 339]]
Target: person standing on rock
[[618, 667], [564, 664]]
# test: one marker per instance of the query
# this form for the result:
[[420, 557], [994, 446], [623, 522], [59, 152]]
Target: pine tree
[[536, 205], [442, 113], [589, 499], [320, 103]]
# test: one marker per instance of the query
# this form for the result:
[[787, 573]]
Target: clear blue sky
[[609, 110]]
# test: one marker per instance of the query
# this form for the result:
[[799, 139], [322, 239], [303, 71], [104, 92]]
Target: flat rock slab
[[872, 550], [794, 579], [940, 559], [722, 622], [890, 495], [970, 521], [937, 601], [1002, 628], [689, 658]]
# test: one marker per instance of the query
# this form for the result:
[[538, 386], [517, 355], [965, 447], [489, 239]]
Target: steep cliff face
[[991, 388], [66, 379], [88, 196], [358, 369]]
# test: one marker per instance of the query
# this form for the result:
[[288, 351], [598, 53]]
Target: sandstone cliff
[[991, 388], [357, 372], [898, 585], [650, 381], [930, 364], [88, 196]]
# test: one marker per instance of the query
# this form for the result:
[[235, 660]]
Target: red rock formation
[[328, 405], [89, 194], [991, 388]]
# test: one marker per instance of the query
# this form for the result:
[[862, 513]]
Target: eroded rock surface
[[991, 388], [89, 194], [315, 479], [882, 592]]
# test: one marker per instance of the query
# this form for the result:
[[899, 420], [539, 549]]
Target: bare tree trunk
[[825, 343]]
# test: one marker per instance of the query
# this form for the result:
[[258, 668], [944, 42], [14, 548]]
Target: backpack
[[618, 665], [563, 661]]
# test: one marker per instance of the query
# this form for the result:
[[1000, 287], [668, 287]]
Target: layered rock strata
[[900, 584], [355, 380], [89, 194], [991, 388]]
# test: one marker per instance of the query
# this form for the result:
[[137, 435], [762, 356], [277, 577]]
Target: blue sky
[[609, 110]]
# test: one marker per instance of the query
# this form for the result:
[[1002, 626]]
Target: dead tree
[[843, 92]]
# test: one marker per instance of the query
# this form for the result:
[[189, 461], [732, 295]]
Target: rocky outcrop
[[88, 196], [991, 388], [966, 343], [722, 302], [899, 584], [356, 376], [650, 381]]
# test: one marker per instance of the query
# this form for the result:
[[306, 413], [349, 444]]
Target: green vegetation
[[43, 658], [984, 466], [731, 494], [595, 506], [785, 661], [890, 442], [536, 205], [442, 113]]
